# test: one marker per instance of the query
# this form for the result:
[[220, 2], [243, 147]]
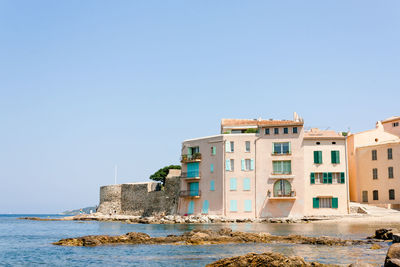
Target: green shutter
[[335, 157], [211, 167], [312, 178], [290, 148], [252, 164], [214, 150], [189, 151], [273, 148], [342, 177], [243, 165], [315, 203], [335, 203], [316, 157], [325, 180], [320, 157], [329, 177]]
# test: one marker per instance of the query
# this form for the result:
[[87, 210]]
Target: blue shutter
[[227, 165], [243, 165], [233, 184], [247, 205], [205, 207], [212, 185], [227, 146], [193, 169], [233, 206], [252, 164], [246, 184], [211, 167], [191, 207]]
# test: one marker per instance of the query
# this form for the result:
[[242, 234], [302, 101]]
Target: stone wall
[[140, 199]]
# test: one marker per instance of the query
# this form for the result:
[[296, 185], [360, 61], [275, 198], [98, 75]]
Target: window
[[316, 177], [233, 184], [230, 165], [336, 178], [281, 148], [365, 196], [233, 206], [247, 205], [247, 164], [229, 146], [374, 155], [318, 143], [325, 202], [335, 159], [318, 157], [213, 150], [285, 130], [374, 173], [206, 204], [375, 195], [282, 188], [212, 185], [247, 146], [211, 168], [276, 130], [282, 167], [267, 131], [391, 194], [246, 184], [390, 153], [295, 130], [395, 124], [333, 143], [390, 172]]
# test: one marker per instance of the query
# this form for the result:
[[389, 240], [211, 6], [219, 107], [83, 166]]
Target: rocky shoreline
[[176, 219], [205, 237]]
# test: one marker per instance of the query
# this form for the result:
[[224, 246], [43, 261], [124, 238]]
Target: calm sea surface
[[28, 243]]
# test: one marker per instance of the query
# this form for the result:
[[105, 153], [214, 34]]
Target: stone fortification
[[141, 199]]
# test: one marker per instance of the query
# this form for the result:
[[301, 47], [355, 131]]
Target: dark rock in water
[[271, 259], [203, 237], [384, 234], [393, 256], [396, 237]]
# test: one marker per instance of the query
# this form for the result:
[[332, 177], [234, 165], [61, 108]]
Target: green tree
[[162, 173]]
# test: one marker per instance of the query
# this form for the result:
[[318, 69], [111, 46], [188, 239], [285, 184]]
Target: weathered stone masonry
[[141, 199]]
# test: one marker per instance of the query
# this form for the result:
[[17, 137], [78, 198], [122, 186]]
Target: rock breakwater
[[204, 237]]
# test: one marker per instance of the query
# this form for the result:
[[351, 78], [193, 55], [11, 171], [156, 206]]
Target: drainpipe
[[255, 173], [347, 175], [223, 178]]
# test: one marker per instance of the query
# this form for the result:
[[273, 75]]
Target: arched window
[[282, 188]]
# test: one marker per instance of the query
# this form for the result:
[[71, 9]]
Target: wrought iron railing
[[190, 193], [191, 157], [283, 194]]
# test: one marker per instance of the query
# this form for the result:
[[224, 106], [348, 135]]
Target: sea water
[[28, 243]]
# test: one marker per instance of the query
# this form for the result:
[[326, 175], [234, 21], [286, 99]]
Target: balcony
[[196, 157], [281, 154], [191, 175], [279, 195], [190, 193]]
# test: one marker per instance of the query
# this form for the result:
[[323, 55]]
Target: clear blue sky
[[85, 85]]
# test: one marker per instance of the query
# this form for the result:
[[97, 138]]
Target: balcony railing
[[283, 194], [191, 157], [282, 173], [190, 193], [190, 174]]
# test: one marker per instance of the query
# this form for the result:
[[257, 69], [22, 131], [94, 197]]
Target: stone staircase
[[371, 210]]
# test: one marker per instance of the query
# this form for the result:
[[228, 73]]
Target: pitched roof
[[393, 118], [316, 133]]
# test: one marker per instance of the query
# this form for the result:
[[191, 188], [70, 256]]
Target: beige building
[[374, 163], [264, 168]]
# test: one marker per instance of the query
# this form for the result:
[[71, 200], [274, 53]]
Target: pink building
[[264, 168]]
